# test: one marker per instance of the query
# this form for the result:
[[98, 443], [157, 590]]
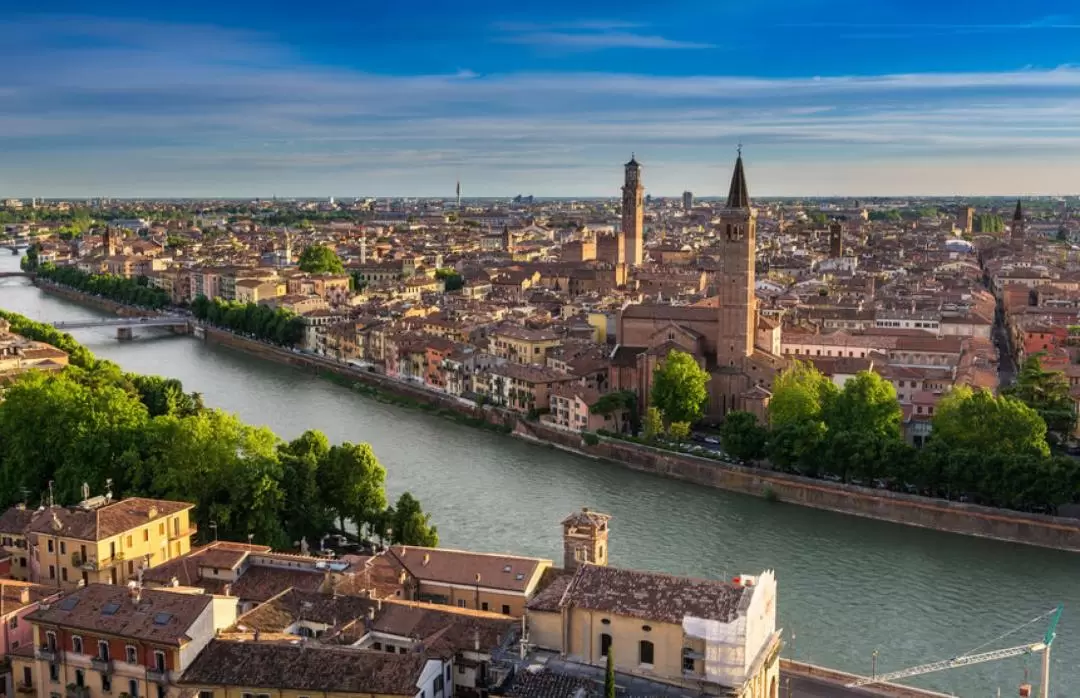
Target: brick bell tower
[[738, 248], [633, 214], [585, 539]]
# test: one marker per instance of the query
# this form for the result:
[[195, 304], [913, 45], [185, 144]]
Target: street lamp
[[213, 525], [873, 665]]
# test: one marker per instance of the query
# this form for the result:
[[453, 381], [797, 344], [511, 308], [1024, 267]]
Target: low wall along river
[[848, 585]]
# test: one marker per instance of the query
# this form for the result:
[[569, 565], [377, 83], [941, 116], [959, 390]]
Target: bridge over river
[[125, 326]]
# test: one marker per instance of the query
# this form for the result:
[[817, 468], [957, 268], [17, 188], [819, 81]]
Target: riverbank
[[954, 517]]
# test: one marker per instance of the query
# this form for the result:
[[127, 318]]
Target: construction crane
[[972, 657]]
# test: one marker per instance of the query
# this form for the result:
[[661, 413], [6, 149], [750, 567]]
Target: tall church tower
[[738, 244], [836, 240], [633, 214], [1017, 233]]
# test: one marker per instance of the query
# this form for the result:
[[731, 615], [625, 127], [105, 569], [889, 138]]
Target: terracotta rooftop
[[106, 521], [505, 572], [651, 595], [157, 616], [305, 667]]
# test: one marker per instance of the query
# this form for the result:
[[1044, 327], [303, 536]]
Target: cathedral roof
[[739, 193], [633, 161]]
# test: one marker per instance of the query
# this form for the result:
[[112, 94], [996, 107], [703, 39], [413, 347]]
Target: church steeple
[[1019, 214], [738, 193]]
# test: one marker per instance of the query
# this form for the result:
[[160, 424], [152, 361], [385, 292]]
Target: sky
[[355, 99]]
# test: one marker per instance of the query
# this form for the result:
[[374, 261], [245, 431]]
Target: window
[[448, 675], [376, 645], [27, 676], [483, 605], [146, 534], [505, 610], [14, 622], [103, 650], [50, 545], [63, 548], [605, 644], [461, 603], [645, 652], [54, 672], [129, 541], [80, 677], [687, 659], [161, 532], [401, 650], [159, 660], [50, 640], [460, 669], [106, 683], [390, 649], [131, 655], [133, 688], [63, 573], [52, 572], [76, 644], [246, 695]]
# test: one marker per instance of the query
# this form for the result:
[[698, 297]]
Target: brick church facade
[[728, 338]]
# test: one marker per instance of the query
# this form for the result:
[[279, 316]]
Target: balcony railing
[[94, 564], [105, 666], [186, 533], [74, 691], [49, 654], [157, 675], [26, 688]]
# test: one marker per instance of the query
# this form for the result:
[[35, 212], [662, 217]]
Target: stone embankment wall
[[840, 678], [954, 517], [968, 519], [87, 299]]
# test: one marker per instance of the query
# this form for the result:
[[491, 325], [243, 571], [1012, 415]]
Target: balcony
[[49, 654], [105, 666], [157, 675], [186, 533], [93, 564], [26, 688], [74, 691]]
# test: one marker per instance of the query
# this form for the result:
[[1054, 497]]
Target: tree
[[320, 259], [800, 393], [986, 424], [653, 425], [619, 405], [866, 405], [609, 673], [1046, 392], [679, 431], [352, 484], [410, 525], [306, 515], [742, 436], [680, 388]]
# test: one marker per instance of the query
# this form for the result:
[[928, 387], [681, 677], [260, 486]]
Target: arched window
[[605, 644], [645, 652]]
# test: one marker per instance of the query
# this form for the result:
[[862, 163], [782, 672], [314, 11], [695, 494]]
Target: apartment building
[[98, 540], [102, 640]]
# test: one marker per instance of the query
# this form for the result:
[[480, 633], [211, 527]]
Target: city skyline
[[829, 98]]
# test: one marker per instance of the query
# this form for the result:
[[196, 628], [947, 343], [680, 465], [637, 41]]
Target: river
[[848, 586]]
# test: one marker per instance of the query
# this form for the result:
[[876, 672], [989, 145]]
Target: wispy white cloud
[[587, 35], [576, 25], [83, 114]]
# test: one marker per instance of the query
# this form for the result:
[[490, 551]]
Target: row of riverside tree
[[134, 291], [262, 322], [93, 422], [986, 449]]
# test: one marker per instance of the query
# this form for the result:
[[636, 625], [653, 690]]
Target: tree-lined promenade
[[998, 450], [92, 423]]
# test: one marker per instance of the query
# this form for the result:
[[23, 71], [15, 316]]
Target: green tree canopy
[[866, 405], [800, 393], [680, 388], [410, 525], [320, 259], [352, 482], [1046, 392], [742, 436], [981, 422]]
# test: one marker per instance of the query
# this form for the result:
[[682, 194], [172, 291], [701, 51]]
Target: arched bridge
[[145, 321]]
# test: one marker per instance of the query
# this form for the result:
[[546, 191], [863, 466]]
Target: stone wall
[[789, 668], [955, 517], [90, 300]]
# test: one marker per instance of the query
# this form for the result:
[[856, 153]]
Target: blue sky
[[382, 98]]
